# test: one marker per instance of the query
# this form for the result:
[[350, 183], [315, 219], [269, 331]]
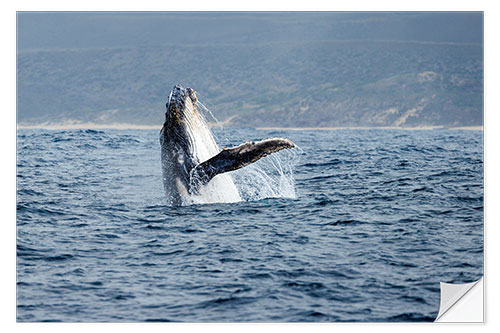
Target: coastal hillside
[[286, 78]]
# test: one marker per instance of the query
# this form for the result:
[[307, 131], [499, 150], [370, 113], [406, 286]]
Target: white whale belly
[[221, 188]]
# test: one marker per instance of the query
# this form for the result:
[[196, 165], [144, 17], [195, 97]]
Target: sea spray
[[270, 177], [206, 111], [209, 117]]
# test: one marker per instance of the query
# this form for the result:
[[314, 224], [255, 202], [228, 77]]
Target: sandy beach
[[90, 125]]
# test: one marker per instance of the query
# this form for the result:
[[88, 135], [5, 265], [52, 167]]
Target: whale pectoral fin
[[230, 159]]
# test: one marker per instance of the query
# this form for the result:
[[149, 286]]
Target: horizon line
[[128, 126]]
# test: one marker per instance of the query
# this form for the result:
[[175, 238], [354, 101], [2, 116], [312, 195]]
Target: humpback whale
[[194, 169]]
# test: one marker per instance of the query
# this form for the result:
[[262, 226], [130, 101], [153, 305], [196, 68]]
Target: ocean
[[353, 225]]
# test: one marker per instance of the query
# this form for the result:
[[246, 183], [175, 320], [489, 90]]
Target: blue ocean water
[[372, 222]]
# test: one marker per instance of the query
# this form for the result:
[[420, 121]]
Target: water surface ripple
[[379, 219]]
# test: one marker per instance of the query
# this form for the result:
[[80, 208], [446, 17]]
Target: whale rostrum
[[192, 163]]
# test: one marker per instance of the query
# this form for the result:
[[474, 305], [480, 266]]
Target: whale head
[[185, 130], [181, 105]]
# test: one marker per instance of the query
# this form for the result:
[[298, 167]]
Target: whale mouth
[[180, 104]]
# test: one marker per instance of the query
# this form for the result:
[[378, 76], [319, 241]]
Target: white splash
[[270, 177]]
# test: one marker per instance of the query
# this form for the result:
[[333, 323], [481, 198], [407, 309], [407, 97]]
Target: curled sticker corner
[[461, 303]]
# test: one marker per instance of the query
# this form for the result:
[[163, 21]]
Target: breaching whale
[[194, 168]]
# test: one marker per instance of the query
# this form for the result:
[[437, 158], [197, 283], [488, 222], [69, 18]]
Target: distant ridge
[[331, 70]]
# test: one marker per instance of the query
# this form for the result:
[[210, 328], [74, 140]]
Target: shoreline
[[470, 128], [123, 126]]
